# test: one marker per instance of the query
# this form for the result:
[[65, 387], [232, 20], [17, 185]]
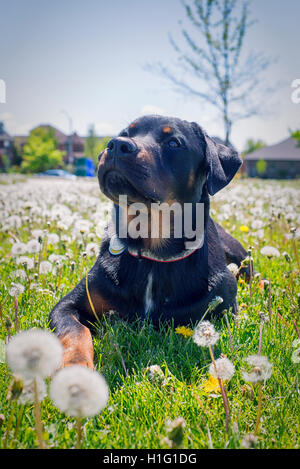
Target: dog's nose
[[121, 147]]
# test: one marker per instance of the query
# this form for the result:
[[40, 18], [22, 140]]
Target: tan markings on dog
[[100, 304], [191, 180], [78, 347], [166, 129], [132, 125]]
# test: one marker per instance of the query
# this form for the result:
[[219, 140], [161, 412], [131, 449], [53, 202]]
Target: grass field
[[69, 217]]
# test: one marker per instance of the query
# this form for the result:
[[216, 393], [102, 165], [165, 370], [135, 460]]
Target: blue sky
[[87, 58]]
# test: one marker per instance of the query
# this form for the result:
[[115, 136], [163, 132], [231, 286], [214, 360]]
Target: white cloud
[[151, 109]]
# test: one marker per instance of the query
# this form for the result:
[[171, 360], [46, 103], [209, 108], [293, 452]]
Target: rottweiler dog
[[155, 160]]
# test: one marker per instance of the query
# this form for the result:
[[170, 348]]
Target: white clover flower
[[79, 391], [16, 289], [224, 369], [18, 249], [45, 267], [33, 246], [27, 261], [92, 249], [27, 394], [233, 268], [34, 353], [296, 343], [270, 251], [261, 369], [205, 334]]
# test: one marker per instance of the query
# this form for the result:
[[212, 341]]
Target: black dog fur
[[155, 159]]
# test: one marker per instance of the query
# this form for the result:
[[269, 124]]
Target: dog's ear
[[222, 163]]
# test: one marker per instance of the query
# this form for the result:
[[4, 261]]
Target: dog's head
[[163, 159]]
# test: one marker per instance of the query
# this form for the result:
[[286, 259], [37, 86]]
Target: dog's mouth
[[115, 185]]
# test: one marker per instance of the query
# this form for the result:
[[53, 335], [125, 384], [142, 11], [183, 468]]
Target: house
[[6, 148], [72, 145], [280, 161]]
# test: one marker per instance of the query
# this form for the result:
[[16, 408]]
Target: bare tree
[[211, 65]]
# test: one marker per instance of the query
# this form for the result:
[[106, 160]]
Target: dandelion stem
[[222, 387], [260, 335], [16, 314], [19, 421], [269, 300], [229, 331], [13, 408], [37, 415], [296, 328], [79, 432], [251, 271], [259, 407]]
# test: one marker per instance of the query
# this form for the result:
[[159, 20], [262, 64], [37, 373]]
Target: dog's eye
[[123, 134], [174, 142]]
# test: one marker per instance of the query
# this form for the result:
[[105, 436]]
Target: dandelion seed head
[[223, 369], [45, 267], [18, 249], [205, 334], [233, 268], [27, 394], [249, 441], [33, 246], [156, 374], [16, 289], [28, 262], [79, 391], [270, 251], [296, 356], [34, 353], [261, 369]]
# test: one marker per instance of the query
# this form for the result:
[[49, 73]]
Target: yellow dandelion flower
[[211, 385], [185, 331], [244, 228]]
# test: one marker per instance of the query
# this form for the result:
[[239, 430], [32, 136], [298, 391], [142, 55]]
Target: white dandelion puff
[[45, 267], [222, 369], [33, 246], [16, 289], [18, 249], [26, 261], [156, 375], [92, 249], [19, 274], [53, 238], [233, 268], [261, 369], [27, 394], [205, 334], [296, 356], [270, 251], [79, 391], [34, 353]]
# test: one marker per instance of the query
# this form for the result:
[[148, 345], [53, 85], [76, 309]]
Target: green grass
[[138, 408]]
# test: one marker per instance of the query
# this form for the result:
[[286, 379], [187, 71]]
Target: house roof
[[287, 150]]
